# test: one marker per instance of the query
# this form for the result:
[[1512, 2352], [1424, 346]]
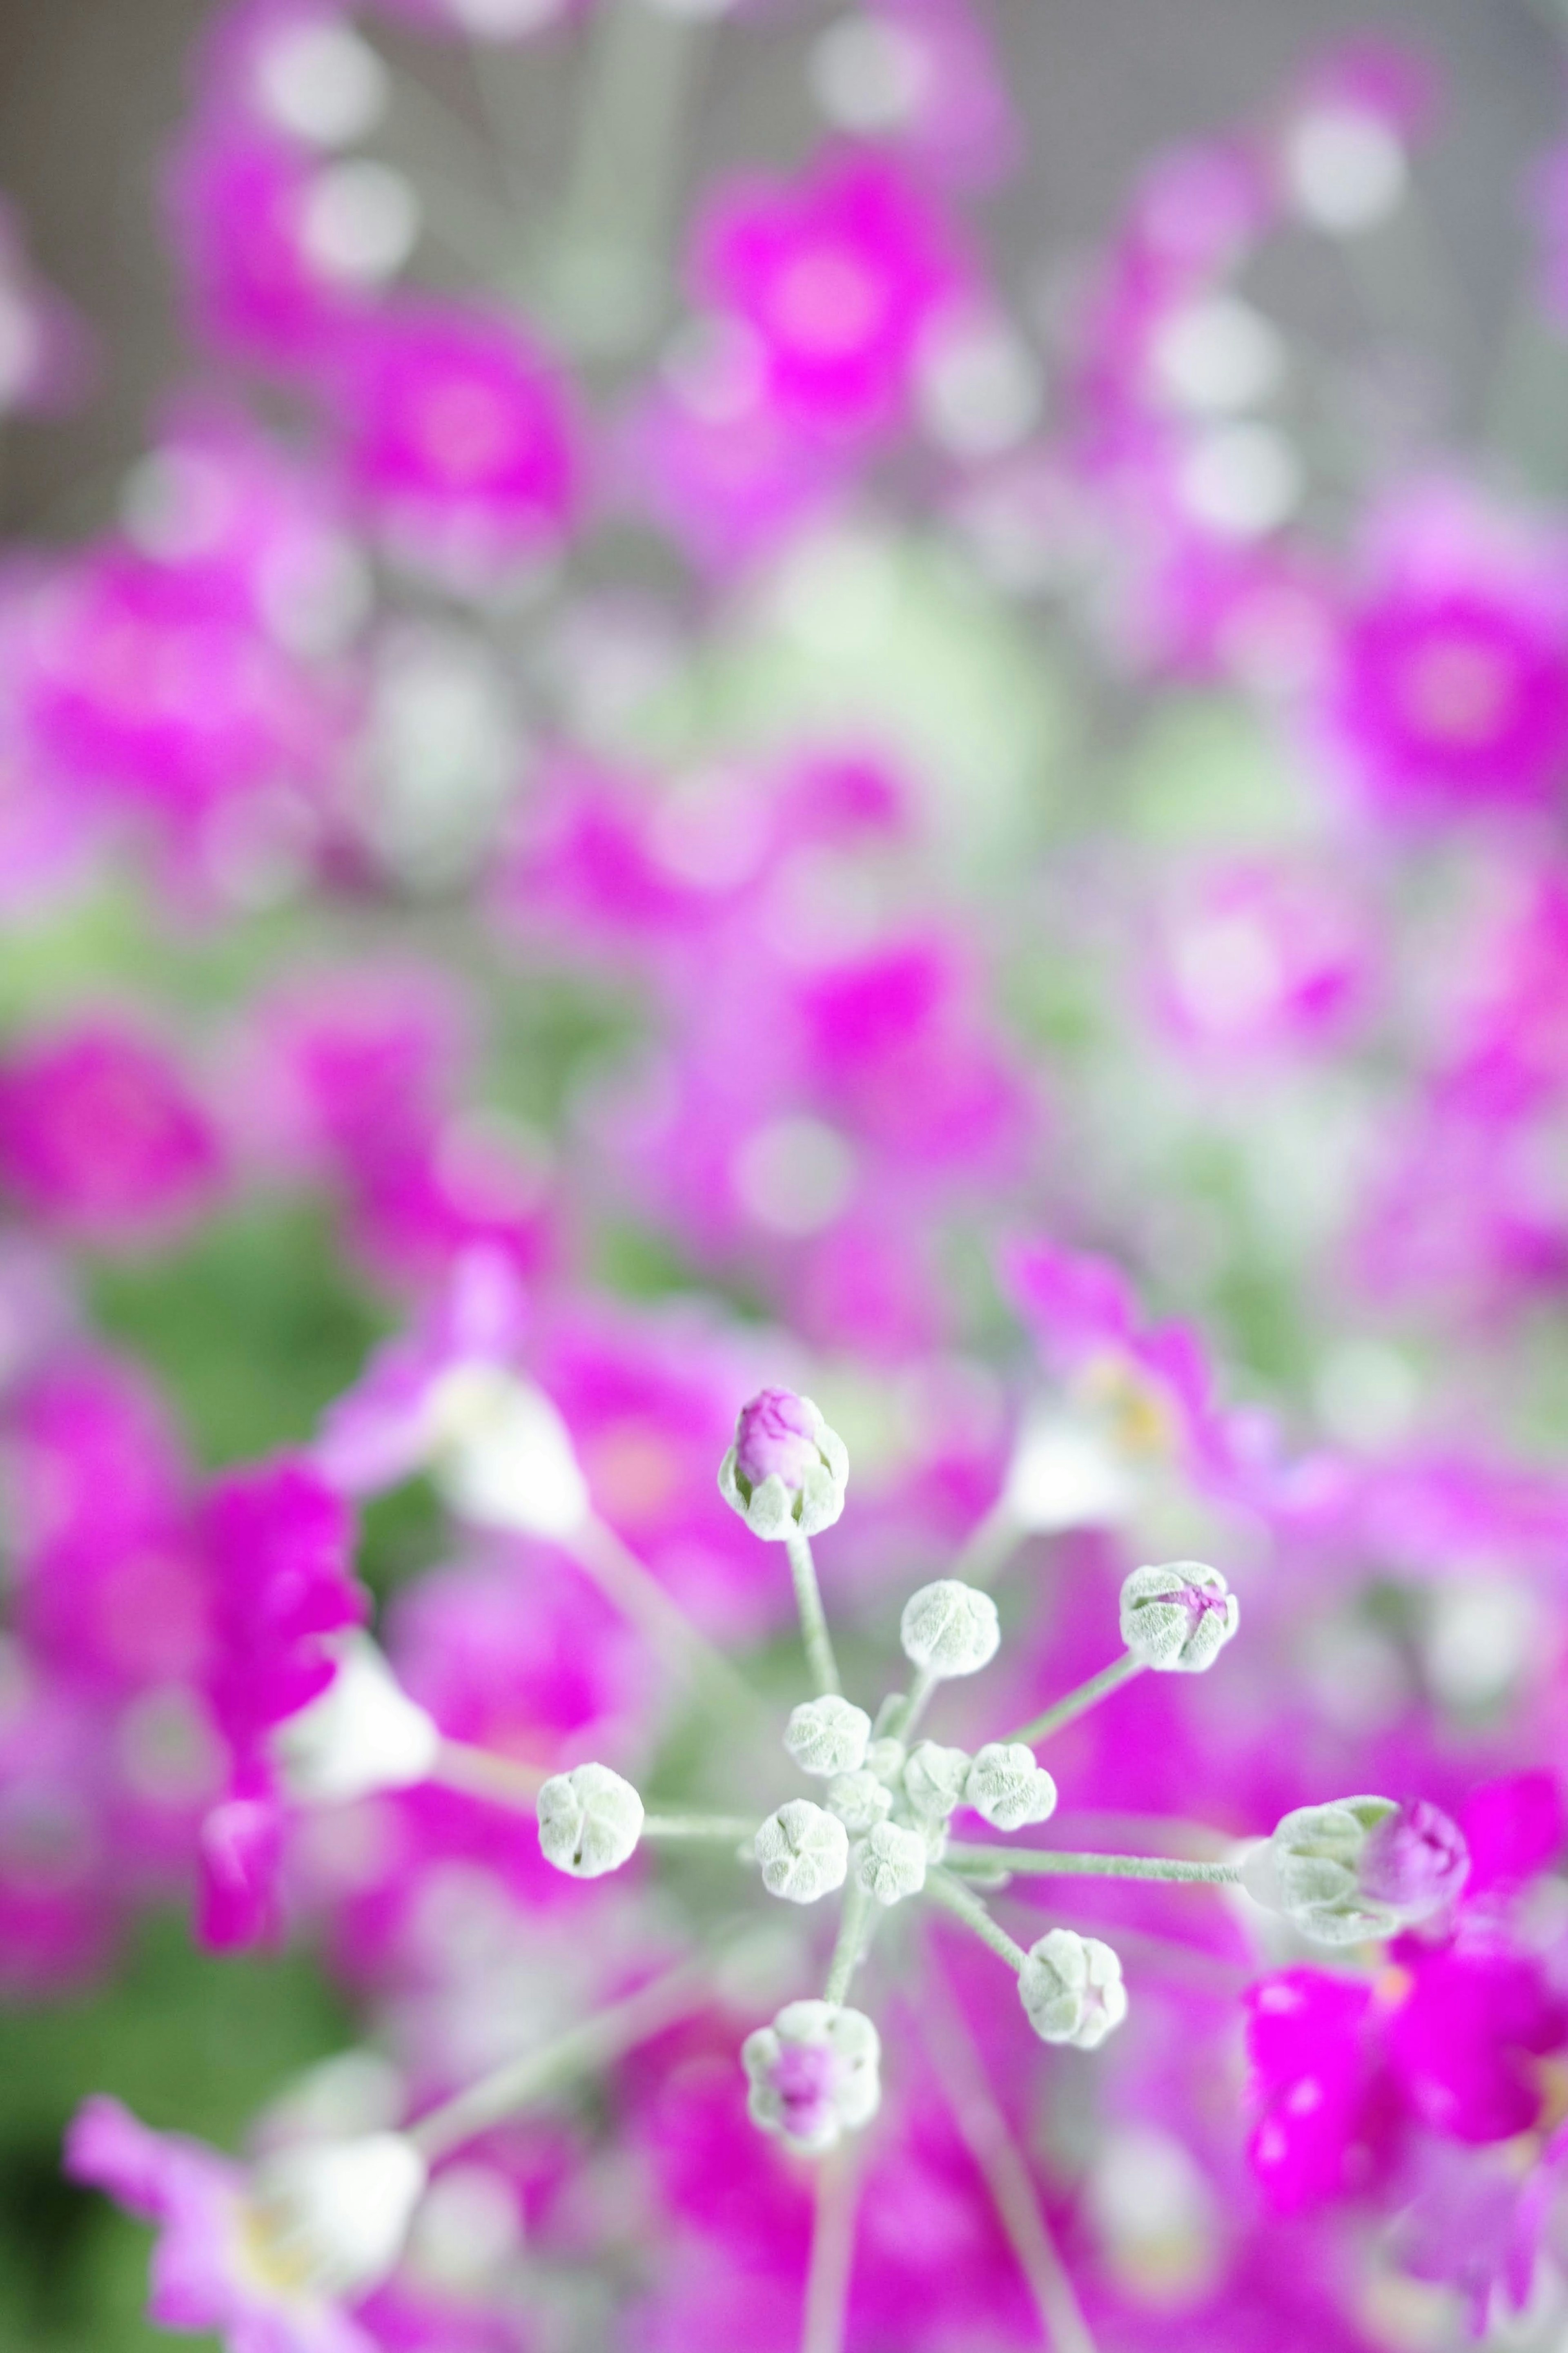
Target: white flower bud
[[334, 2216], [804, 1852], [503, 1455], [1071, 1990], [860, 1801], [933, 1780], [890, 1863], [1008, 1788], [1179, 1617], [814, 2075], [884, 1758], [362, 1734], [786, 1473], [1310, 1871], [828, 1735], [589, 1820], [949, 1629]]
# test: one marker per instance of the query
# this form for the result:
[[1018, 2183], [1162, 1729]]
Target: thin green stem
[[636, 1593], [814, 1630], [855, 1925], [1036, 1861], [831, 2252], [900, 1719], [986, 1547], [1079, 1703], [960, 2069], [592, 2044], [479, 1773], [965, 1905], [727, 1829]]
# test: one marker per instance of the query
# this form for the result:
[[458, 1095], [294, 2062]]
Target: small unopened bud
[[890, 1863], [814, 2075], [1415, 1860], [949, 1629], [884, 1758], [1008, 1788], [933, 1780], [828, 1735], [786, 1471], [860, 1801], [1311, 1870], [334, 2216], [362, 1734], [804, 1852], [589, 1820], [1178, 1618], [503, 1456], [1071, 1990]]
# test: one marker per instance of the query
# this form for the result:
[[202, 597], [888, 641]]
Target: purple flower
[[775, 1432], [279, 1542]]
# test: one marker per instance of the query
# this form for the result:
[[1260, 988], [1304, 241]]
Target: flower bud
[[589, 1820], [949, 1629], [859, 1800], [828, 1735], [361, 1735], [1415, 1860], [1071, 1990], [933, 1780], [814, 2075], [890, 1863], [1178, 1618], [804, 1852], [1008, 1788], [786, 1471], [334, 2216], [1311, 1870], [884, 1758]]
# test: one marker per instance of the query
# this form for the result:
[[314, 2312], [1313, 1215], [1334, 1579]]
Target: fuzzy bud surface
[[934, 1779], [1179, 1617], [804, 1852], [1007, 1788], [590, 1821], [1312, 1872], [828, 1735], [1071, 1990], [890, 1863], [949, 1629]]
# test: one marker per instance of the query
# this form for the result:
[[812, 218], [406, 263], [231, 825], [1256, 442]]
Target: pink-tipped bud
[[1415, 1860], [786, 1471]]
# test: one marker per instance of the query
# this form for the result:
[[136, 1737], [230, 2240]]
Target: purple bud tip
[[1415, 1858], [775, 1432], [804, 2077]]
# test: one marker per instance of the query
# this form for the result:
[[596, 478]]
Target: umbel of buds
[[589, 1820], [333, 2215], [814, 2075], [1358, 1868], [787, 1471], [1071, 1990], [1178, 1618]]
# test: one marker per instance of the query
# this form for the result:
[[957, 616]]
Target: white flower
[[362, 1734], [503, 1455], [334, 2214], [814, 2075], [804, 1852], [1178, 1618], [589, 1820], [1008, 1788], [949, 1629], [1071, 1990], [828, 1735]]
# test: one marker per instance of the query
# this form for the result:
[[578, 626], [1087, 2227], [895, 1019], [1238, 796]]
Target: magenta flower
[[102, 1137], [1449, 694], [1262, 959], [211, 2268], [837, 276], [459, 438], [235, 197], [277, 1541]]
